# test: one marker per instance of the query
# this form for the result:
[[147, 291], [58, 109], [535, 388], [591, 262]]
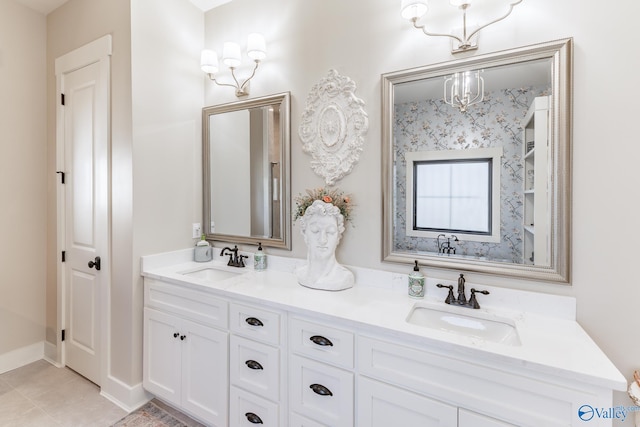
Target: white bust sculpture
[[322, 227]]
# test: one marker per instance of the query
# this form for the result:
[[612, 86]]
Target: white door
[[84, 228]]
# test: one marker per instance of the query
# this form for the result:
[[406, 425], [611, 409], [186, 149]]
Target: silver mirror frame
[[561, 53], [284, 99]]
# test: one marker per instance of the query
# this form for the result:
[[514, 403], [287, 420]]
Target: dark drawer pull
[[320, 340], [320, 389], [253, 321], [253, 418], [252, 364]]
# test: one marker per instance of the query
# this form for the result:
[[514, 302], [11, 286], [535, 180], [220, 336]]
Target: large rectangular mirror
[[246, 170], [476, 163]]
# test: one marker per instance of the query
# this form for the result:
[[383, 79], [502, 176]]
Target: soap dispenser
[[259, 259], [203, 251], [416, 283]]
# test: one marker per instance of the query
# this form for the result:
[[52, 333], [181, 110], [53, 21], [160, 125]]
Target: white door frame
[[98, 51]]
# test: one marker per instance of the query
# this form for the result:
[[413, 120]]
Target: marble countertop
[[551, 341]]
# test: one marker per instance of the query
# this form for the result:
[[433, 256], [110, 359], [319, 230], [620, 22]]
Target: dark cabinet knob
[[176, 334], [252, 364], [320, 389], [182, 337], [253, 321], [322, 341], [253, 418]]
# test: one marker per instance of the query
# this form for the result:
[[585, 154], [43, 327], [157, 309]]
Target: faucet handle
[[450, 297], [241, 260], [473, 301]]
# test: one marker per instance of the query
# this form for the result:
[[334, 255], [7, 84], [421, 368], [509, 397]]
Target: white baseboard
[[51, 354], [125, 396], [21, 357]]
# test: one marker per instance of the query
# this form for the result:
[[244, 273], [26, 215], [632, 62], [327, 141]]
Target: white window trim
[[468, 154]]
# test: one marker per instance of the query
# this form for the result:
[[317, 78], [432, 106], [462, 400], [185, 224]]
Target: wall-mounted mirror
[[246, 171], [483, 187]]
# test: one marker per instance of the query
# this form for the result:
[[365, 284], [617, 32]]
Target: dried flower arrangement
[[327, 195]]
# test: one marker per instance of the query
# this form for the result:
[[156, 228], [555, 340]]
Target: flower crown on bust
[[327, 195]]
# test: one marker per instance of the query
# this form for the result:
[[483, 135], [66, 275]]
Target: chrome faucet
[[235, 260], [461, 300]]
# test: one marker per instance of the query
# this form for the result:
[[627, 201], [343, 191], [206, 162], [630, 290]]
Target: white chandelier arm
[[253, 73], [213, 79], [511, 6], [464, 41], [424, 30], [241, 89]]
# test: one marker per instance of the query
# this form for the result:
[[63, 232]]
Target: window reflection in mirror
[[453, 191], [452, 196]]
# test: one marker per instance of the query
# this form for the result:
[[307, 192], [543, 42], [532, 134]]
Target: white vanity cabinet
[[263, 350], [321, 378], [256, 368], [185, 350], [479, 394]]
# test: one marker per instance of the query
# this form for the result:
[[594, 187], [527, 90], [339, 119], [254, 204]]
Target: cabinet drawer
[[255, 367], [321, 392], [186, 303], [247, 409], [322, 342], [255, 323]]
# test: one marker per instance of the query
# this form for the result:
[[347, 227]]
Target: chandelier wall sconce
[[231, 57], [415, 10]]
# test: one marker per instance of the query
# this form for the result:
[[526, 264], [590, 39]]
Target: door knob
[[95, 263]]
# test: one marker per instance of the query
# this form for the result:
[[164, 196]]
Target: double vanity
[[237, 347]]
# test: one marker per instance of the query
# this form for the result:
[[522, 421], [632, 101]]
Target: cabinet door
[[161, 352], [472, 419], [204, 372], [383, 405]]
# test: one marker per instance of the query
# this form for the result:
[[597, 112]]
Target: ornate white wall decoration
[[333, 126]]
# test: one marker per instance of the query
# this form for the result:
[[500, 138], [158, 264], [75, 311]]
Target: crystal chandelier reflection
[[461, 90]]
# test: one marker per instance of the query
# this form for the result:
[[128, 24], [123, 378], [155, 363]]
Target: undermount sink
[[211, 274], [470, 323]]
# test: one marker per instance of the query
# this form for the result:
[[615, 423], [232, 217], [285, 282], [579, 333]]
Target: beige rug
[[150, 415]]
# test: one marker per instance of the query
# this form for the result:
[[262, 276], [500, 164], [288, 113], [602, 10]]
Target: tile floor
[[41, 395]]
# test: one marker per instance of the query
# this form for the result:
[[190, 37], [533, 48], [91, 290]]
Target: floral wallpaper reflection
[[433, 125]]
